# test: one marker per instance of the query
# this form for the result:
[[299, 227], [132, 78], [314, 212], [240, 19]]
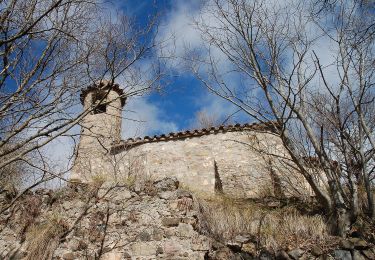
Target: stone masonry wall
[[240, 171], [98, 132]]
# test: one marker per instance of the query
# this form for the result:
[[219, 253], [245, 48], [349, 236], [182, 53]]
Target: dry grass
[[98, 180], [128, 181], [43, 239], [30, 209], [225, 218]]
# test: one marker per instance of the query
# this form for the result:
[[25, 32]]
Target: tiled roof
[[131, 142]]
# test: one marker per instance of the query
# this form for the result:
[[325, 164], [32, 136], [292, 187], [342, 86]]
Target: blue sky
[[176, 107], [173, 108]]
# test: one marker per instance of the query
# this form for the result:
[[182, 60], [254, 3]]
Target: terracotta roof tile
[[130, 142]]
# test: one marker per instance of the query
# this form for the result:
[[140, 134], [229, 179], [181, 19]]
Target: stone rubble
[[116, 223], [121, 224]]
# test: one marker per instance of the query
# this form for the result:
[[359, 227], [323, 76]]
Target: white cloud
[[141, 117], [180, 24], [177, 32]]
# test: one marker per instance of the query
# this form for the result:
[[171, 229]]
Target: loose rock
[[296, 253], [343, 255], [170, 222], [167, 184], [369, 253], [316, 251], [282, 255], [358, 243]]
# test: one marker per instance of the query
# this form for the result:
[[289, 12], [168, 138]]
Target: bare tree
[[206, 120], [49, 51], [322, 110]]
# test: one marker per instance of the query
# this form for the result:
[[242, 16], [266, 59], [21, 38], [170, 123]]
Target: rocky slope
[[158, 221]]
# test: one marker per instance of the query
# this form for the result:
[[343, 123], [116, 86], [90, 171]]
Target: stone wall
[[94, 144], [231, 160], [98, 132]]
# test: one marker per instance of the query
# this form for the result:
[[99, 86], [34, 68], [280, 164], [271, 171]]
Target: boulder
[[126, 256], [223, 253], [265, 255], [185, 230], [201, 243], [316, 251], [370, 254], [69, 256], [296, 253], [167, 184], [189, 220], [242, 239], [354, 242], [282, 255], [249, 248], [123, 195], [143, 249], [167, 195], [357, 255], [358, 243], [183, 194], [170, 221], [144, 236], [244, 256], [76, 245], [112, 256], [171, 247], [157, 234], [159, 250], [342, 255], [346, 244]]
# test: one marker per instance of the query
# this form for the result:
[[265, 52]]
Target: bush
[[273, 229]]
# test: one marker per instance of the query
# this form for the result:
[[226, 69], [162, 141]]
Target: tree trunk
[[339, 221], [370, 198], [340, 215], [354, 204]]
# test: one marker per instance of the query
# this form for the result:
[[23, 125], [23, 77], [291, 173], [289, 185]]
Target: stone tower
[[99, 129]]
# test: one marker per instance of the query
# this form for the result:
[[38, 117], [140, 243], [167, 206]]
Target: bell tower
[[100, 128]]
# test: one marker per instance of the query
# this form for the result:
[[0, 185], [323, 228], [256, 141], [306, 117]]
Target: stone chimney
[[99, 129]]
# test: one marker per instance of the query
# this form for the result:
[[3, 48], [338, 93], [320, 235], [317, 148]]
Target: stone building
[[238, 160], [99, 129]]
